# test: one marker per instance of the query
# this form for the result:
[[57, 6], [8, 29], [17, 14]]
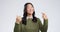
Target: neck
[[29, 15]]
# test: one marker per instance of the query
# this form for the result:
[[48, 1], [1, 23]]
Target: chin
[[30, 13]]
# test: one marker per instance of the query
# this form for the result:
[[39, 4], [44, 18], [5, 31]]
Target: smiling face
[[30, 9]]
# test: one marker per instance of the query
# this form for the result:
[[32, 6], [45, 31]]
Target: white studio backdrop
[[9, 9]]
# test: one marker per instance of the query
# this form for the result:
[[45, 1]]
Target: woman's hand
[[44, 16], [18, 19]]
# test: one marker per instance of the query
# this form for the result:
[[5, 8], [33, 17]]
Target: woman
[[30, 23]]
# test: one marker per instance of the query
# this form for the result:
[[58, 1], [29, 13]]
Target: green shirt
[[31, 26]]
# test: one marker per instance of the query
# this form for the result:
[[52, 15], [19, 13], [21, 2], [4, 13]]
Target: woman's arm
[[17, 27], [43, 27], [18, 24]]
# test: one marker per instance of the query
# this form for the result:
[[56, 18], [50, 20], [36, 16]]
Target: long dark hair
[[25, 14]]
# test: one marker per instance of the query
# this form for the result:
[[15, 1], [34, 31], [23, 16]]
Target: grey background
[[9, 9]]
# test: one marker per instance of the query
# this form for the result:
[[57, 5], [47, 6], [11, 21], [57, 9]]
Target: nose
[[30, 9]]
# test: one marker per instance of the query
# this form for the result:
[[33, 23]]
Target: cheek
[[32, 10], [28, 10]]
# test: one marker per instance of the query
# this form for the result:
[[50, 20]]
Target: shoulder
[[38, 18]]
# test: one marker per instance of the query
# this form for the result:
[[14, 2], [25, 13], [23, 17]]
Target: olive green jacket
[[31, 26]]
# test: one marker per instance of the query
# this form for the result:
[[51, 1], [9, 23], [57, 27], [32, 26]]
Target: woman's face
[[30, 9]]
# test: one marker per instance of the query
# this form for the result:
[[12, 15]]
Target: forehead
[[29, 5]]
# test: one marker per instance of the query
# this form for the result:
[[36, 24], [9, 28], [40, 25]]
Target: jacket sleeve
[[43, 27], [18, 27]]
